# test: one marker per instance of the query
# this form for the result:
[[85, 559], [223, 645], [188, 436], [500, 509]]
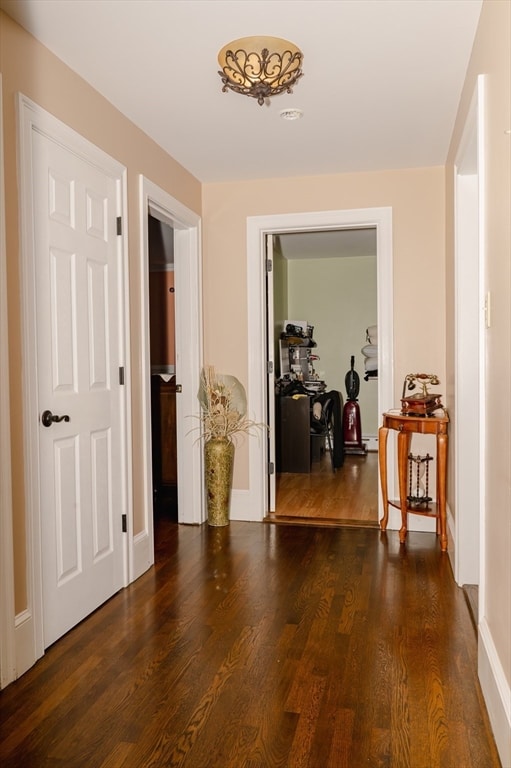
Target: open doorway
[[162, 324], [326, 283], [261, 359], [185, 226]]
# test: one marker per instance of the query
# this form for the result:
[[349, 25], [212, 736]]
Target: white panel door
[[78, 343]]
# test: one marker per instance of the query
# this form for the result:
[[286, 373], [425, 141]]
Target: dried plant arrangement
[[223, 404]]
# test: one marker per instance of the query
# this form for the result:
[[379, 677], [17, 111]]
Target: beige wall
[[30, 68], [418, 203], [338, 297], [492, 57]]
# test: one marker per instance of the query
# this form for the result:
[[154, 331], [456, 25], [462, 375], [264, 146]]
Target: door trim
[[31, 117], [257, 229], [7, 647], [271, 370], [188, 331], [470, 350]]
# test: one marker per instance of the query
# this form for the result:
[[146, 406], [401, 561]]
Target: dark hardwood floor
[[321, 497], [263, 646]]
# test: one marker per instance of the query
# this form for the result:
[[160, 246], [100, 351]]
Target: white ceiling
[[381, 85]]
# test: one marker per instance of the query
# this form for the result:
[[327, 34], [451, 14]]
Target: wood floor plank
[[119, 757], [348, 495], [263, 646]]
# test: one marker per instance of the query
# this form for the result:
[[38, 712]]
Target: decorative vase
[[219, 463]]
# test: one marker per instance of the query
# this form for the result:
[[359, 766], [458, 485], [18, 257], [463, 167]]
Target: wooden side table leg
[[442, 440], [382, 456], [403, 445]]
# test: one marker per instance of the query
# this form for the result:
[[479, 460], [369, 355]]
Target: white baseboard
[[419, 523], [243, 507], [371, 441], [496, 692], [451, 538], [143, 554], [25, 642]]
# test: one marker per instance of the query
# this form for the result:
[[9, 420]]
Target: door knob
[[47, 418]]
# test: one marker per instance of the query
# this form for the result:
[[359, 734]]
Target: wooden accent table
[[405, 427]]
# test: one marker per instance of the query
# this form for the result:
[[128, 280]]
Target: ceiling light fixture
[[260, 66]]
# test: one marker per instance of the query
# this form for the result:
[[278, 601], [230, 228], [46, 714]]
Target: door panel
[[102, 513], [98, 339], [78, 343], [67, 512], [62, 344]]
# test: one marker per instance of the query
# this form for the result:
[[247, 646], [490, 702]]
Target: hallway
[[263, 646]]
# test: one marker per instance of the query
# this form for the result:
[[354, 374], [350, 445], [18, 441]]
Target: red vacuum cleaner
[[351, 424]]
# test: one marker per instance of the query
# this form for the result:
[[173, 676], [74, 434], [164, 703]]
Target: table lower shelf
[[432, 510]]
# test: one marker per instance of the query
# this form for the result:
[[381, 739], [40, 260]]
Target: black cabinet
[[293, 439]]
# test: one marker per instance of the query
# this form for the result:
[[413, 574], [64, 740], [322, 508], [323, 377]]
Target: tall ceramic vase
[[219, 463]]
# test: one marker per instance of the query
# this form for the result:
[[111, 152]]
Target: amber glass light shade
[[260, 67]]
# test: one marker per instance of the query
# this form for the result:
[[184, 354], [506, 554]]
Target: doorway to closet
[[326, 282], [187, 296], [162, 324]]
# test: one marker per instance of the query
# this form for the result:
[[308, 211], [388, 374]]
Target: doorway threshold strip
[[322, 522]]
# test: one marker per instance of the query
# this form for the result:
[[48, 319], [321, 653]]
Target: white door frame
[[31, 117], [471, 314], [271, 367], [472, 319], [257, 229], [188, 332], [7, 642]]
